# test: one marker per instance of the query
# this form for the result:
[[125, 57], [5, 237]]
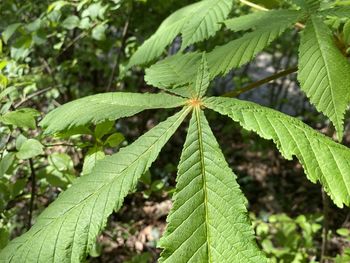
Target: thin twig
[[59, 144], [32, 194], [35, 94], [325, 229], [76, 39], [258, 83], [258, 7]]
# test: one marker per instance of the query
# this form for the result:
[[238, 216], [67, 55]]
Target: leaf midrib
[[203, 173]]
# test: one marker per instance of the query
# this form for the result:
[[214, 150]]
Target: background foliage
[[52, 52]]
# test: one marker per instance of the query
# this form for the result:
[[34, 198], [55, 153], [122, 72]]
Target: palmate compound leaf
[[194, 22], [323, 159], [66, 230], [106, 106], [178, 70], [324, 73], [209, 220]]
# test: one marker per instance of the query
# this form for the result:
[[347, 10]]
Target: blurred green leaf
[[20, 140], [95, 10], [90, 161], [345, 232], [6, 163], [9, 31], [98, 32], [61, 161], [103, 129], [3, 82], [29, 149], [57, 5], [23, 118], [157, 185], [71, 22], [4, 237], [346, 31], [115, 139], [18, 187]]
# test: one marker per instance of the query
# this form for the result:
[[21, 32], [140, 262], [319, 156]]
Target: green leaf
[[71, 22], [242, 50], [346, 32], [308, 5], [324, 72], [3, 82], [67, 229], [6, 92], [115, 139], [29, 149], [20, 140], [294, 138], [61, 162], [99, 32], [209, 220], [91, 160], [262, 19], [174, 71], [4, 237], [343, 232], [9, 31], [103, 128], [202, 79], [6, 163], [57, 5], [179, 69], [23, 118], [18, 187], [95, 10], [107, 106], [195, 22], [340, 11], [206, 21]]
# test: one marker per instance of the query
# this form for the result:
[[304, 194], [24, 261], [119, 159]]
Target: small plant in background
[[286, 239]]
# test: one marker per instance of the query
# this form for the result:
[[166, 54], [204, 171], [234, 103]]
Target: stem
[[59, 144], [76, 39], [258, 7], [32, 194], [325, 228], [258, 83], [35, 94]]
